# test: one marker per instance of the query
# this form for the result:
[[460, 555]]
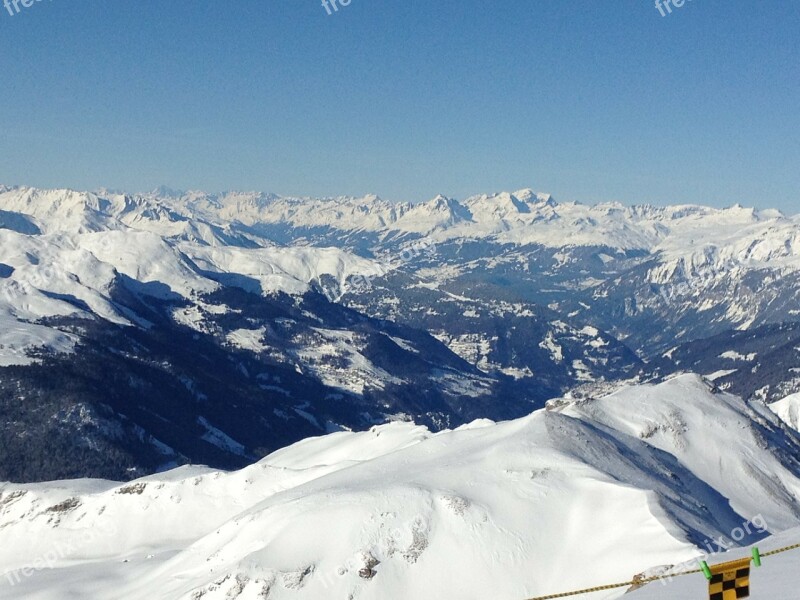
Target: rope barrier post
[[756, 556], [706, 570]]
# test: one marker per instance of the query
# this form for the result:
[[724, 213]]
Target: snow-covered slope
[[669, 418], [72, 274], [788, 410], [566, 498]]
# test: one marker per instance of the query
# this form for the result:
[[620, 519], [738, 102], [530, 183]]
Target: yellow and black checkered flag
[[730, 581]]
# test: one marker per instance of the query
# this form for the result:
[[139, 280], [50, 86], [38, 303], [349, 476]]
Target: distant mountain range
[[139, 332]]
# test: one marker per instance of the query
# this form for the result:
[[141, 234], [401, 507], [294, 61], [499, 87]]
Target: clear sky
[[585, 99]]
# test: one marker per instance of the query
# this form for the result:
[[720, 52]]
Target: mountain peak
[[164, 191]]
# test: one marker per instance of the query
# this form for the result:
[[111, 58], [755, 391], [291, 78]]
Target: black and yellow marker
[[731, 580]]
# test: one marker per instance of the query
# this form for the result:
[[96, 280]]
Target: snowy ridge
[[617, 485], [64, 253], [662, 416], [522, 217], [788, 410]]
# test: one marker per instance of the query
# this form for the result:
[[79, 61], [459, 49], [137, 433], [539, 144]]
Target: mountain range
[[140, 332]]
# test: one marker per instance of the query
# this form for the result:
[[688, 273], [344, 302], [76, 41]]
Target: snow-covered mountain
[[679, 258], [788, 410], [309, 315], [585, 492], [761, 362]]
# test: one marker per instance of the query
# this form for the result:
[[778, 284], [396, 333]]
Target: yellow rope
[[612, 586], [644, 580], [779, 550]]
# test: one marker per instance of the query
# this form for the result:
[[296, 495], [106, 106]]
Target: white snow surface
[[585, 493], [788, 410]]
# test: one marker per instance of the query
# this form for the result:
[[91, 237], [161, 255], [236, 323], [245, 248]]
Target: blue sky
[[587, 100]]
